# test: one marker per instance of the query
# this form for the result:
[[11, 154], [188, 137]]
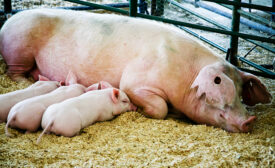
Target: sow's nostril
[[246, 125]]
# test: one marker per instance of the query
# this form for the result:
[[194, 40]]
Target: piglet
[[8, 100], [27, 114], [70, 116]]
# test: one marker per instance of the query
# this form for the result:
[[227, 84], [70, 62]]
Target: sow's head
[[220, 89]]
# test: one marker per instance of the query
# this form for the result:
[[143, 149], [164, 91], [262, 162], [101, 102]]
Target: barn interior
[[133, 140]]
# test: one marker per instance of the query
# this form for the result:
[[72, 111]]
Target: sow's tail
[[7, 126], [46, 128]]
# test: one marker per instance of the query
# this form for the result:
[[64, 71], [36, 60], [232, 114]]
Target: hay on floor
[[132, 140]]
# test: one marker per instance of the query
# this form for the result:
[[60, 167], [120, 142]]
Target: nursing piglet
[[70, 116], [8, 100], [98, 86], [27, 114]]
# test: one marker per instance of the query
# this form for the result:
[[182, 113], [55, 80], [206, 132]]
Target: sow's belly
[[88, 70]]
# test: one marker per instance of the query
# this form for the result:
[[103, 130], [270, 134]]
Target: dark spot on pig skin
[[106, 29], [170, 49], [124, 21]]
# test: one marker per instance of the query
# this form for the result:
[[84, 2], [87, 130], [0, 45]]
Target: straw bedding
[[132, 140]]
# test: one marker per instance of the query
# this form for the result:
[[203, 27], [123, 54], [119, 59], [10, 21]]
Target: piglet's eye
[[125, 101], [217, 80]]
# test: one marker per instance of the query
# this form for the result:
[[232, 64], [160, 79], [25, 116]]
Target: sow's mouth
[[232, 118], [244, 127], [238, 124]]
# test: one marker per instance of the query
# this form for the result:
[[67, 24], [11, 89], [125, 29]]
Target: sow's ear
[[217, 86], [254, 91]]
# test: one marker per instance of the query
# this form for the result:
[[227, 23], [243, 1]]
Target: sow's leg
[[152, 104], [18, 65], [16, 50], [142, 92], [21, 39]]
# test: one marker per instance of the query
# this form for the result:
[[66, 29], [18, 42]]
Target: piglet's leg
[[153, 105]]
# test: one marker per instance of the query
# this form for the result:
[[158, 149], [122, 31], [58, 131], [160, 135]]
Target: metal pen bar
[[217, 24], [197, 14], [257, 67], [257, 73], [266, 73], [252, 16], [259, 38], [7, 6], [244, 21], [203, 38], [100, 6], [133, 8], [173, 22], [116, 5], [234, 40], [245, 5]]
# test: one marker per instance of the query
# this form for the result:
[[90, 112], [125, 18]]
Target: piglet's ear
[[71, 79], [93, 87], [115, 95], [254, 91], [104, 85], [43, 78]]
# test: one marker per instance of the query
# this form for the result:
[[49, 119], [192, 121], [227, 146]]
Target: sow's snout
[[246, 125], [218, 91], [235, 120]]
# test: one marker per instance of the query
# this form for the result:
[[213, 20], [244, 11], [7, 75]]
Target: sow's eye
[[217, 80]]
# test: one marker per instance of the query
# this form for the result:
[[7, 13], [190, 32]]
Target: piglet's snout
[[247, 124]]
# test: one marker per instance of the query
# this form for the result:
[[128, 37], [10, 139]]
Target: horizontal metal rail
[[257, 73], [243, 35], [97, 6], [245, 5], [115, 5], [252, 16], [244, 21], [217, 24], [265, 72]]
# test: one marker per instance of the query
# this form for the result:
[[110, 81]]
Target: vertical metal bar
[[160, 8], [273, 13], [133, 8], [153, 7], [7, 6], [141, 6], [196, 3], [234, 39], [249, 9]]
